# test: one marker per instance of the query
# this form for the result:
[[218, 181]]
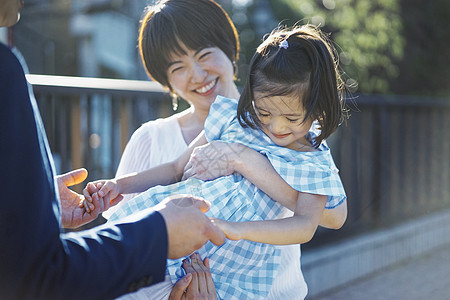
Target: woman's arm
[[234, 157], [298, 229]]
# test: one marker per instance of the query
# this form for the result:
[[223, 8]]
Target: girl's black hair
[[196, 24], [306, 68]]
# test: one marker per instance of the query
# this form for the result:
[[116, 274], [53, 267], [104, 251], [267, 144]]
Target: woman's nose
[[198, 73]]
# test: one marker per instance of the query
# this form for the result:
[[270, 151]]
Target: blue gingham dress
[[244, 269]]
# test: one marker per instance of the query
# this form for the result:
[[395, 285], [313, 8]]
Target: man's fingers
[[201, 204], [86, 206], [74, 177], [179, 287], [215, 234], [87, 194]]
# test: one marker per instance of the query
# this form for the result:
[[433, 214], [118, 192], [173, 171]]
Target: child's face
[[282, 120]]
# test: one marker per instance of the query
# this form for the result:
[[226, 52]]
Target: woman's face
[[199, 76], [9, 12]]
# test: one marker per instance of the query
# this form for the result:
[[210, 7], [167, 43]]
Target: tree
[[367, 34]]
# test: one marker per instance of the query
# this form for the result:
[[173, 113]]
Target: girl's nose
[[277, 125], [198, 73]]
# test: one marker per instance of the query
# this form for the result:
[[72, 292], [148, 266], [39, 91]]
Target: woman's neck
[[192, 123]]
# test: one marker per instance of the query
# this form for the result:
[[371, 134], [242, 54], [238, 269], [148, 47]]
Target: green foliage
[[425, 67], [367, 34]]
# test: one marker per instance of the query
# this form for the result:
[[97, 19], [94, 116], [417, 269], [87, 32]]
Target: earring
[[174, 101], [235, 69]]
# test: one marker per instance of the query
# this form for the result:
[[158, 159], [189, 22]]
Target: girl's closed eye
[[292, 120], [263, 114]]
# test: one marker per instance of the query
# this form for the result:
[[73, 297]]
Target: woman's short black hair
[[196, 24], [307, 68]]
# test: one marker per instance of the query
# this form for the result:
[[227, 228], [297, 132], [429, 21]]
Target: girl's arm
[[139, 182], [160, 175], [298, 229], [234, 157]]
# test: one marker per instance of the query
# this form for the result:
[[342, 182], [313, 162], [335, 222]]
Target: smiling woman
[[195, 58], [9, 12]]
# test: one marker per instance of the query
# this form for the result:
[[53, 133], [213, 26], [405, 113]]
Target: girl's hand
[[97, 190], [213, 160], [232, 230]]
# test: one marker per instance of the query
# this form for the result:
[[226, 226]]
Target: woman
[[191, 48]]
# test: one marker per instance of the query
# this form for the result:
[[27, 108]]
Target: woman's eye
[[263, 114], [204, 55], [176, 69]]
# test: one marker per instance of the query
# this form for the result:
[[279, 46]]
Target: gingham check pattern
[[244, 269]]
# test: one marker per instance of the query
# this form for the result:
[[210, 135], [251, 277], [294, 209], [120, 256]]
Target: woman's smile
[[207, 89]]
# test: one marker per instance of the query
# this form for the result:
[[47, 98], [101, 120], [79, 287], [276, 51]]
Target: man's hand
[[187, 227], [72, 214]]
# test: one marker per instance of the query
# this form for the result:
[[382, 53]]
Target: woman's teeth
[[206, 88]]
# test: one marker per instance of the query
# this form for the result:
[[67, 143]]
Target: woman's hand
[[201, 285], [213, 160]]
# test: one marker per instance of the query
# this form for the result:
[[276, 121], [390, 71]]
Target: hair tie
[[284, 44]]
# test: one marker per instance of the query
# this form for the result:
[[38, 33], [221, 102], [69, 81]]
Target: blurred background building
[[385, 46]]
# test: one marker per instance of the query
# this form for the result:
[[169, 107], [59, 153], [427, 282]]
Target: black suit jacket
[[37, 260]]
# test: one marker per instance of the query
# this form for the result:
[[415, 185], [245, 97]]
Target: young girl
[[290, 104]]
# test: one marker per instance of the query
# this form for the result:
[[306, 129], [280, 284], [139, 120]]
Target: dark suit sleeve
[[37, 261]]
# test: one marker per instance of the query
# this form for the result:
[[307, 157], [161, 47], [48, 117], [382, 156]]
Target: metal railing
[[393, 153], [89, 120], [394, 159]]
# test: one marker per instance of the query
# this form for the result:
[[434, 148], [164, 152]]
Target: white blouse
[[154, 143]]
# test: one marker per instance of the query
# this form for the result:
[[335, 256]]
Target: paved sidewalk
[[425, 277]]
